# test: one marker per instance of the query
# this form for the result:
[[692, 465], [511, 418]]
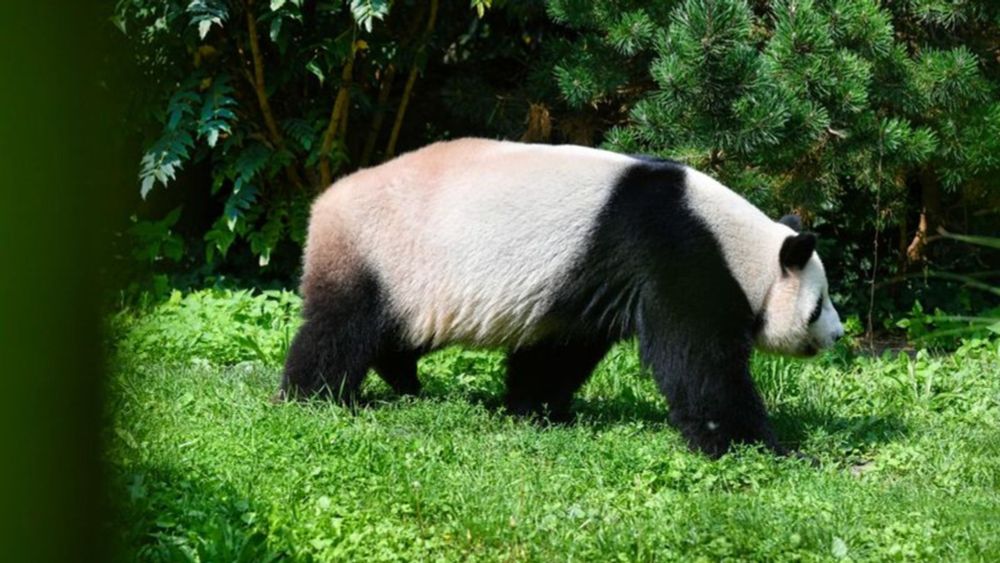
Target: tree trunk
[[260, 89], [539, 124], [390, 149], [904, 233], [336, 114], [383, 98], [930, 215]]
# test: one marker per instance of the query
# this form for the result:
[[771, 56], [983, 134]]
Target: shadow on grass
[[164, 515], [603, 412], [793, 424]]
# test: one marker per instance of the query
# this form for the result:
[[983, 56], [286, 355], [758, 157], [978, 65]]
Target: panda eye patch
[[816, 310]]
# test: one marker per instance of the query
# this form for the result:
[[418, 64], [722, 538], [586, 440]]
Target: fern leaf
[[365, 12], [238, 204], [217, 111]]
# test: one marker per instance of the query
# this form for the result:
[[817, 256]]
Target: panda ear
[[792, 221], [796, 251]]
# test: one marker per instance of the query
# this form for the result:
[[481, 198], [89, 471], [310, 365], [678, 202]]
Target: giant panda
[[555, 253]]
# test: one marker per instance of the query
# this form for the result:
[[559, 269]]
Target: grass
[[204, 467]]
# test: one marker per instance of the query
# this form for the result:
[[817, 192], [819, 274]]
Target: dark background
[[60, 165]]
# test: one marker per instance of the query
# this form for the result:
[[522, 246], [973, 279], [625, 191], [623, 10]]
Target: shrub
[[222, 327]]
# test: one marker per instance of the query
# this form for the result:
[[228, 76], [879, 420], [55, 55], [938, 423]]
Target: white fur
[[827, 328], [790, 303], [751, 243], [502, 223], [750, 240]]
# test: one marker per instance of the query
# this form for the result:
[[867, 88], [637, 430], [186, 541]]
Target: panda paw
[[716, 438]]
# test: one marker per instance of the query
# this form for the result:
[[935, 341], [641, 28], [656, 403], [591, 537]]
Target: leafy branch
[[390, 149], [261, 91], [337, 114]]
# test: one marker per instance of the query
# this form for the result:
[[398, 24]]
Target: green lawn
[[204, 467]]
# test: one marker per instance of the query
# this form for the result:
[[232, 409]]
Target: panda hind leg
[[542, 378], [338, 342]]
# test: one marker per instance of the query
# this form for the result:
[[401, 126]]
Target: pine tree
[[859, 114]]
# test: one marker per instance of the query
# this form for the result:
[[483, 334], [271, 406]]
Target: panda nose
[[838, 334]]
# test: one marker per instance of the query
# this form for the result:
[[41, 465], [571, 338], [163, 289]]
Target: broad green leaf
[[147, 186], [989, 242], [366, 11], [313, 67], [206, 13], [275, 30], [481, 6], [238, 204]]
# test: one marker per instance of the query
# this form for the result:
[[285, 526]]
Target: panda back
[[470, 239]]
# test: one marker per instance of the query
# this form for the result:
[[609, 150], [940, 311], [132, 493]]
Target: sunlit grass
[[204, 467]]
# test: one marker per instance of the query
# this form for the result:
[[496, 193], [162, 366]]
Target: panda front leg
[[713, 401]]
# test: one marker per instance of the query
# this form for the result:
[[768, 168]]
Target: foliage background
[[878, 122]]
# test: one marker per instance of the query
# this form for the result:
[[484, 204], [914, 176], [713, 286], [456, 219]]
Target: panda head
[[798, 318]]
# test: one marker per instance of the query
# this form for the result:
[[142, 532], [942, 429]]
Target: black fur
[[817, 310], [398, 367], [792, 221], [347, 330], [654, 269], [542, 378], [796, 251]]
